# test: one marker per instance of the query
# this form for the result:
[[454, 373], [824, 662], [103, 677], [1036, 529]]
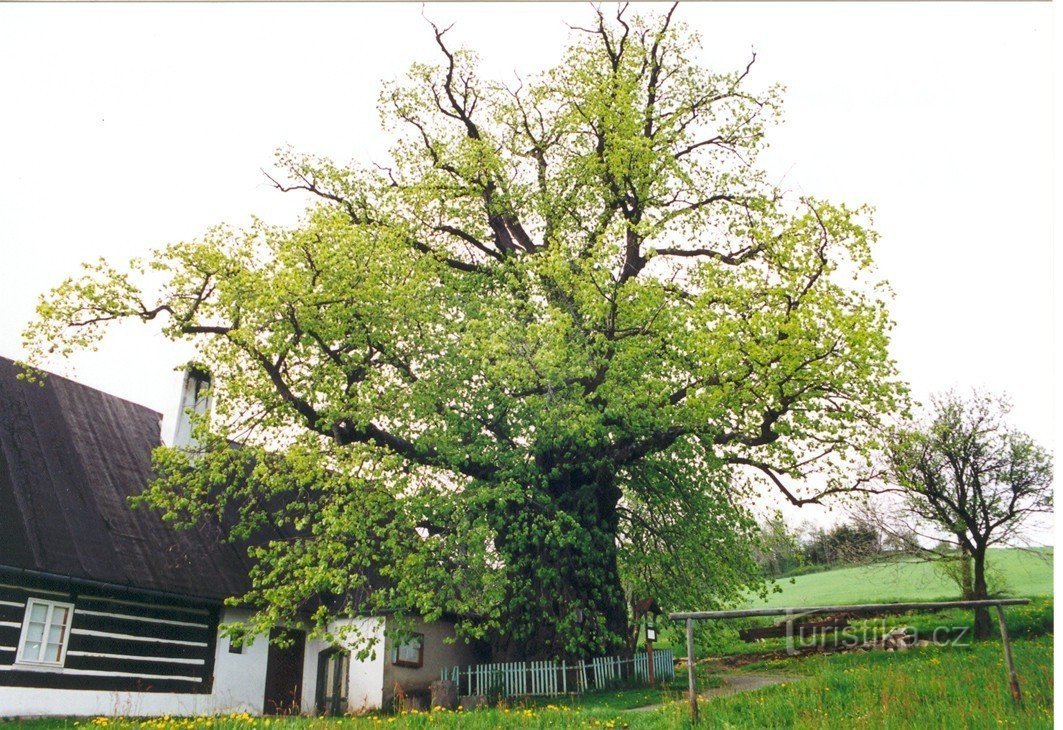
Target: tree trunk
[[966, 575], [564, 597], [982, 627]]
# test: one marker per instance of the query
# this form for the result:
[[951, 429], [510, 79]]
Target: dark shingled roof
[[70, 457]]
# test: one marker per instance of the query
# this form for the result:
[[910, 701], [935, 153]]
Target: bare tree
[[969, 482]]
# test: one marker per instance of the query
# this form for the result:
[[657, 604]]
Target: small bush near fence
[[549, 678]]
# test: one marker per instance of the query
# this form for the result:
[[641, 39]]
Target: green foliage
[[845, 543], [778, 549], [686, 546], [808, 569], [515, 372]]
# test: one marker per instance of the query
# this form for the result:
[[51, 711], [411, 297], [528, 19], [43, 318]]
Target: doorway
[[333, 678], [284, 673]]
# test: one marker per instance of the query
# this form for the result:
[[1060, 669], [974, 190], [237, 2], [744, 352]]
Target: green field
[[1022, 574]]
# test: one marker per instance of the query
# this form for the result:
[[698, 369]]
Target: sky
[[127, 127]]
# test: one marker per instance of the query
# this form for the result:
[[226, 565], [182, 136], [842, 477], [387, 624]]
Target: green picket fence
[[548, 678]]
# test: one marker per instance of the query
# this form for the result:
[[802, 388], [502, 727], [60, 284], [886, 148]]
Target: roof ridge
[[19, 364]]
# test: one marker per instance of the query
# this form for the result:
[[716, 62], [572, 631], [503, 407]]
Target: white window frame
[[20, 658]]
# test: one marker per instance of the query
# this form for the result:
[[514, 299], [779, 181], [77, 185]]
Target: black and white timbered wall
[[54, 634]]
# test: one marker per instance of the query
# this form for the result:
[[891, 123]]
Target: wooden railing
[[550, 678]]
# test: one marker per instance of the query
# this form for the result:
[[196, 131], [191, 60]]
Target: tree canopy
[[521, 367]]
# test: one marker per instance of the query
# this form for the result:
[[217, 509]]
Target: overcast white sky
[[130, 126]]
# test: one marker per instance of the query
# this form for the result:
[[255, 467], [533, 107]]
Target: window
[[45, 631], [410, 653], [236, 642]]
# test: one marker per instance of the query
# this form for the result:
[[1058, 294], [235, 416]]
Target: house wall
[[227, 683], [438, 653], [313, 649], [366, 687], [119, 642], [240, 679], [238, 686], [373, 680]]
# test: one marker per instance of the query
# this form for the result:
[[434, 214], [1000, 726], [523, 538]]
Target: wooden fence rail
[[549, 678]]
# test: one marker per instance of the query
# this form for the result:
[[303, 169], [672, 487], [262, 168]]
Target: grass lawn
[[949, 687], [1023, 574]]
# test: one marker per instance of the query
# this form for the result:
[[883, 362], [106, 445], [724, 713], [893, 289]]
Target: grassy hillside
[[1022, 574]]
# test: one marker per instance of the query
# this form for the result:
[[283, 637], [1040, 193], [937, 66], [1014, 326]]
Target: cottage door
[[333, 677], [284, 674]]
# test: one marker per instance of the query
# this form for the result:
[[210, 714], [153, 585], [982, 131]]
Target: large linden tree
[[525, 369]]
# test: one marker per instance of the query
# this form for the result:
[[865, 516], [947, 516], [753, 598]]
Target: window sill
[[36, 667]]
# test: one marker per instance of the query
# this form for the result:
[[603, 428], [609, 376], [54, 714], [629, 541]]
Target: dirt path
[[733, 684]]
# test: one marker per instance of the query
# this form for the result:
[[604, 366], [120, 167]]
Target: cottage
[[104, 609]]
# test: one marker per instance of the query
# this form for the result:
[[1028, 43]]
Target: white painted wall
[[240, 679], [373, 680], [367, 676], [366, 688], [313, 648], [239, 686]]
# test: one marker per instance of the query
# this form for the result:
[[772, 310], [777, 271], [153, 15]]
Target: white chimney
[[195, 398]]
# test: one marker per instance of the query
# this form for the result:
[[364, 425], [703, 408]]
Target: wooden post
[[693, 685], [650, 657], [650, 662], [1013, 677]]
